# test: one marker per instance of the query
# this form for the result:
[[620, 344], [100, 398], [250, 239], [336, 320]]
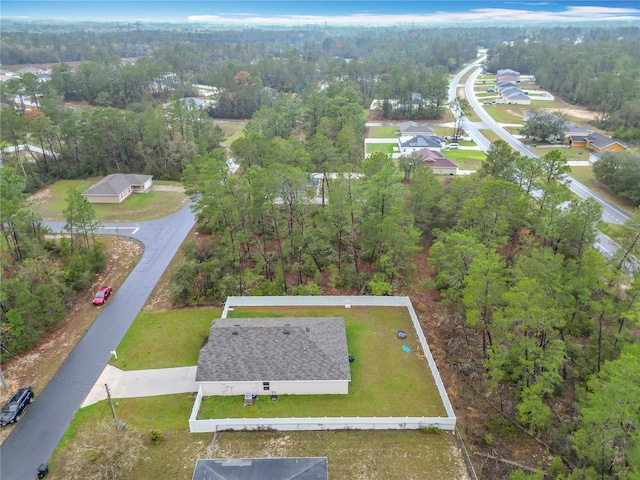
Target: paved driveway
[[142, 383]]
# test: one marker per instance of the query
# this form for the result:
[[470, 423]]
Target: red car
[[102, 295]]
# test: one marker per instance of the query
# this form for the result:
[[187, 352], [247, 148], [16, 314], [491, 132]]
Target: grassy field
[[383, 132], [165, 339], [466, 159], [546, 104], [50, 203], [380, 147], [351, 454], [490, 135], [385, 381], [499, 114], [232, 131]]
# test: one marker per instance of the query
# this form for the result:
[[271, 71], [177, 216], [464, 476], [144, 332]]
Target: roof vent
[[234, 332], [307, 329], [286, 331]]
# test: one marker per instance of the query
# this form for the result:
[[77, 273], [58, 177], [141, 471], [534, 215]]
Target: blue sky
[[267, 12]]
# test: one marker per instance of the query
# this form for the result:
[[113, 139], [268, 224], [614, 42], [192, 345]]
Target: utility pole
[[113, 410]]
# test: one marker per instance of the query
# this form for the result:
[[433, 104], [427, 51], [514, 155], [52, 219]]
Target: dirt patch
[[576, 113], [168, 188], [38, 366], [40, 195]]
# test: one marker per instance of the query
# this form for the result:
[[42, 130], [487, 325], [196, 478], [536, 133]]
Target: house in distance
[[116, 187]]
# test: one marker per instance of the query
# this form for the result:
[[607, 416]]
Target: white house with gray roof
[[418, 142], [261, 356], [116, 187]]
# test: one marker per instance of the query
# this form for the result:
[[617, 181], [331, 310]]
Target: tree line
[[542, 314], [40, 274]]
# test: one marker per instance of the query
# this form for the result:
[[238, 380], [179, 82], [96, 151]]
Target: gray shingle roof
[[517, 96], [413, 128], [259, 350], [510, 91], [116, 183], [302, 468], [600, 141]]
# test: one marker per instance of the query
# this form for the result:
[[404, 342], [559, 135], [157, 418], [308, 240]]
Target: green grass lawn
[[490, 135], [384, 132], [466, 159], [585, 176], [500, 114], [443, 131], [385, 381], [546, 104], [165, 339], [232, 131], [137, 207], [380, 147]]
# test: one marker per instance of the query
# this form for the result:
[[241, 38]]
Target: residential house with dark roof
[[412, 143], [573, 129], [517, 98], [116, 187], [409, 129], [436, 160], [597, 142], [514, 95], [504, 85], [264, 356], [507, 71], [291, 468]]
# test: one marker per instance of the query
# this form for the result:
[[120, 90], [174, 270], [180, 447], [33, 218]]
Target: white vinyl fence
[[330, 423]]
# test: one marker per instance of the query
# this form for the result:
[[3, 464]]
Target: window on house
[[265, 386]]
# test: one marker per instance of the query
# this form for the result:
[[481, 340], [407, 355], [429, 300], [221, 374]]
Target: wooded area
[[537, 322]]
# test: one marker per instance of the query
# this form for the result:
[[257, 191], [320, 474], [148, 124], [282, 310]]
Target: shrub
[[156, 437]]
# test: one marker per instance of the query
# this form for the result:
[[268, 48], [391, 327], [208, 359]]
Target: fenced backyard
[[363, 412]]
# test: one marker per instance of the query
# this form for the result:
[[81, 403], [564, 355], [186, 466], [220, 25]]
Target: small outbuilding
[[265, 356], [300, 468], [116, 187]]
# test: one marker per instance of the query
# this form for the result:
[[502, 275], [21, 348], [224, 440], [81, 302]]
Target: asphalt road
[[37, 435]]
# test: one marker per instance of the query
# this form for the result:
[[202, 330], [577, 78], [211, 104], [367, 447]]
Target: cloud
[[481, 15]]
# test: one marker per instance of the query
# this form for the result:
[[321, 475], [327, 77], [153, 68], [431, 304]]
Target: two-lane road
[[35, 438], [611, 213]]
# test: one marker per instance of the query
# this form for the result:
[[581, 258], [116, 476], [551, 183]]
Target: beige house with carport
[[116, 187]]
